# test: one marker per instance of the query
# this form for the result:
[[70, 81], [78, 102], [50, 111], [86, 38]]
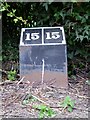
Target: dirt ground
[[14, 93]]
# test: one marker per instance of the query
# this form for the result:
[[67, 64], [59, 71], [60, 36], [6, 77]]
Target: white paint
[[52, 35], [26, 45], [35, 36], [43, 64], [48, 35], [27, 36], [42, 37], [21, 38]]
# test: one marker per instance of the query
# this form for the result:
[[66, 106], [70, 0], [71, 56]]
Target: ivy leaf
[[78, 17], [13, 10], [46, 6], [70, 55], [20, 18], [83, 20], [15, 20], [77, 52], [10, 14], [2, 9], [81, 38]]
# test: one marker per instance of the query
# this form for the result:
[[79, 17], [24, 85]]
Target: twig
[[12, 100], [82, 96], [53, 81], [73, 88], [66, 108], [7, 82], [21, 80], [81, 77], [80, 109], [3, 71], [40, 100], [78, 93]]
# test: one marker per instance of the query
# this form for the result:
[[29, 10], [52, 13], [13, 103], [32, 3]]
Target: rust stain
[[55, 79], [34, 77]]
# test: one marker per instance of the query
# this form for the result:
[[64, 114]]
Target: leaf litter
[[19, 99]]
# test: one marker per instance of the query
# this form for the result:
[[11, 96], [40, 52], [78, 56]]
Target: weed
[[11, 75], [68, 103], [29, 99], [25, 102], [44, 111]]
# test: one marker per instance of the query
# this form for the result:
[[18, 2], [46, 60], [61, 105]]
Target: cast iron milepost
[[43, 56]]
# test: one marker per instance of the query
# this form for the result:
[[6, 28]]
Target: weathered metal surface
[[45, 61]]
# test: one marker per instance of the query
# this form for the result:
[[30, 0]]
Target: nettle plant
[[68, 104]]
